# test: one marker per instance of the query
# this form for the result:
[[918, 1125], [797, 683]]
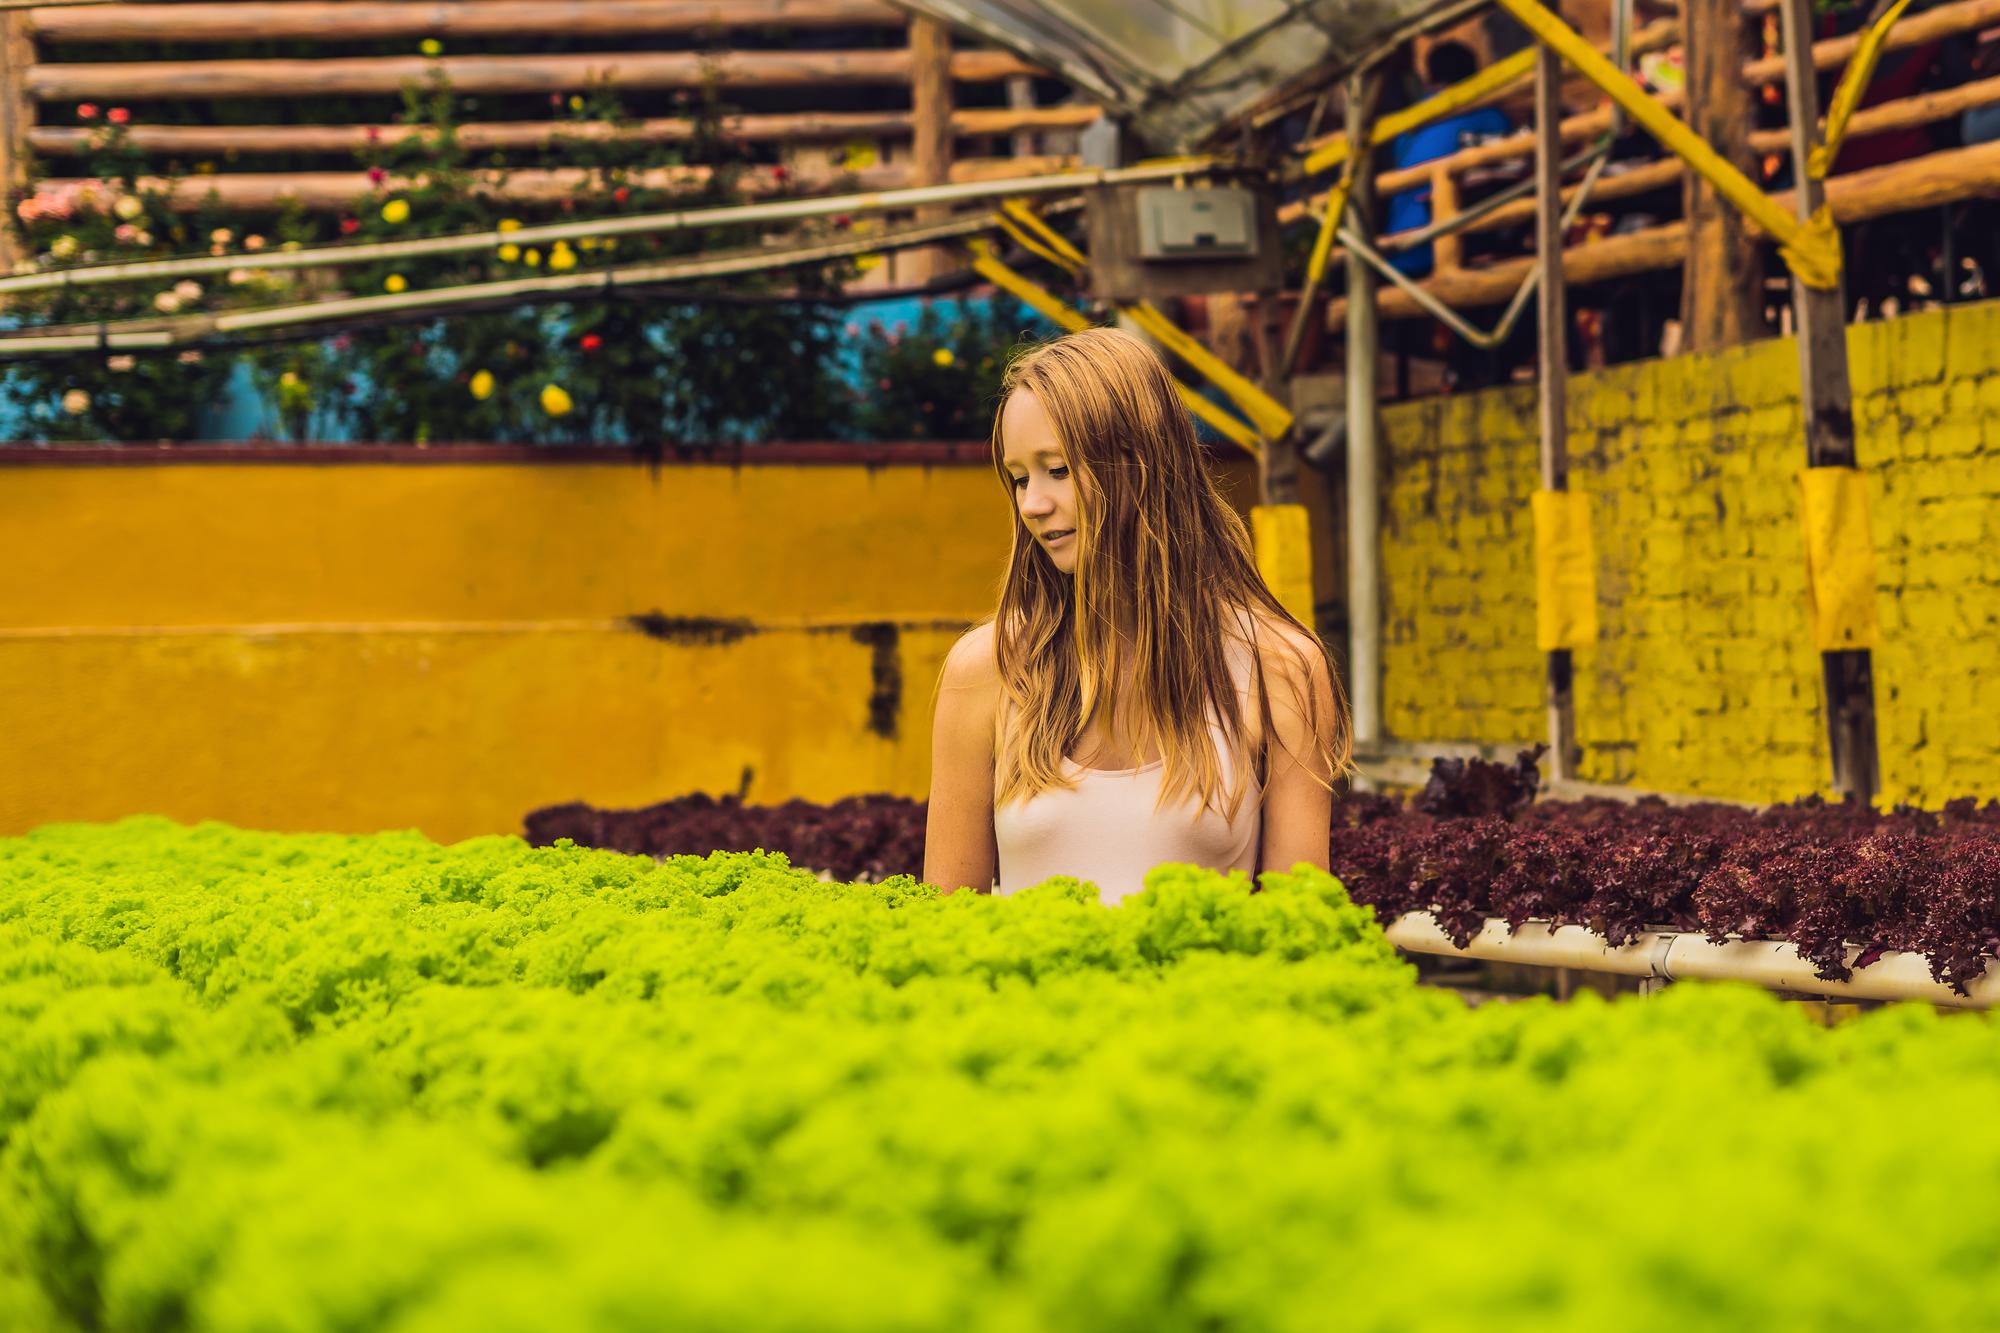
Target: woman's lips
[[1055, 539]]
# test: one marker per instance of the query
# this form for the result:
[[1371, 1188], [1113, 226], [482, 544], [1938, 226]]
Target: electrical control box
[[1213, 223]]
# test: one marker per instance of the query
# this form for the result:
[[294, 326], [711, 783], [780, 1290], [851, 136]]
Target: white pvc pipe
[[1684, 956], [779, 210]]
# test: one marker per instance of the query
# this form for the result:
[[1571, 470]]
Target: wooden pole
[[199, 80], [930, 126], [1021, 98], [1554, 360], [784, 127], [1722, 280], [1364, 506], [17, 118], [1826, 397], [371, 20]]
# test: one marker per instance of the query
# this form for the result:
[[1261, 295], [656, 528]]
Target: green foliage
[[941, 379], [638, 370], [333, 1082]]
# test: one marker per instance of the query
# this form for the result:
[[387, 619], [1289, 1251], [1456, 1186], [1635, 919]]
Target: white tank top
[[1106, 830]]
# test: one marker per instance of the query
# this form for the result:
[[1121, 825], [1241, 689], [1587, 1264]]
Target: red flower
[[86, 111], [118, 115], [842, 221], [348, 226], [376, 175], [590, 342], [621, 194], [779, 172]]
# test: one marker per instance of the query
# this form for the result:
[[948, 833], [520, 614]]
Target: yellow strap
[[1848, 95], [1267, 414], [1283, 535], [1477, 88], [1840, 558], [1029, 243], [1565, 572], [988, 266], [1024, 214], [1336, 204], [1812, 250]]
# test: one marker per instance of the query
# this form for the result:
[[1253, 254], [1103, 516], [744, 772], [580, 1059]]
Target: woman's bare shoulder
[[1288, 651], [971, 663]]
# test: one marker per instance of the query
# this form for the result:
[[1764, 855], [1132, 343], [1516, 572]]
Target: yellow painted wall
[[1704, 679], [445, 646]]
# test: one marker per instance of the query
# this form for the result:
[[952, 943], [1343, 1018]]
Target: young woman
[[1139, 697]]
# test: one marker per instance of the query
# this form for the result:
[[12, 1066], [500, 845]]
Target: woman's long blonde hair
[[1156, 539]]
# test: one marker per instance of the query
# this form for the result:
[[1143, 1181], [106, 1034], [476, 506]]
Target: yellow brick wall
[[1704, 679]]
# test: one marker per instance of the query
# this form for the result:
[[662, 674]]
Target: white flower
[[239, 276], [188, 289], [166, 303], [63, 247], [129, 207], [76, 402], [119, 363]]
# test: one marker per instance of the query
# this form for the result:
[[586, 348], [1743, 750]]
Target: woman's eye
[[1019, 482], [1058, 472]]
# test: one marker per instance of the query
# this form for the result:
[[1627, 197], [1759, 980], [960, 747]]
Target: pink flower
[[376, 175], [86, 111], [118, 115], [374, 134], [852, 331], [882, 383]]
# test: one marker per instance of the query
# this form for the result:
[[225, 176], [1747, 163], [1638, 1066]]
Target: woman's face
[[1044, 494]]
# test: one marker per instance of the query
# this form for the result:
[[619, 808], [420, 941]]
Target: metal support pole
[[1554, 360], [1364, 512], [1826, 396]]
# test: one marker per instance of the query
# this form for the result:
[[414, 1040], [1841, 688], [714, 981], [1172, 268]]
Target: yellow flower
[[509, 253], [395, 282], [482, 385], [431, 47], [575, 102], [510, 224], [561, 259], [396, 210], [555, 401], [943, 357], [587, 243], [532, 258]]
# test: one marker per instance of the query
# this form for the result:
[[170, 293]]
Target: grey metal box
[[1217, 222]]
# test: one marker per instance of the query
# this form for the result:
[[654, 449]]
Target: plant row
[[251, 1081], [1474, 845]]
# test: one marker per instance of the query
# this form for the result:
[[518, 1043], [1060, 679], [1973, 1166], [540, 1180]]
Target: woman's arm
[[959, 847], [1298, 800]]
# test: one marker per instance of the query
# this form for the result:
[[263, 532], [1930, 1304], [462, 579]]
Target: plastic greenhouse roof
[[1178, 70]]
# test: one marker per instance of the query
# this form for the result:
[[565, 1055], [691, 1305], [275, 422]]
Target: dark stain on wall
[[699, 630], [885, 699]]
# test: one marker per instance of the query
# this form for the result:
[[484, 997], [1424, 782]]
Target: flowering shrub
[[329, 1082], [939, 380], [638, 369]]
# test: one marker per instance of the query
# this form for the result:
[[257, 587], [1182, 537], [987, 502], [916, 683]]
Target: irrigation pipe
[[1456, 322], [169, 332], [1667, 955], [783, 210]]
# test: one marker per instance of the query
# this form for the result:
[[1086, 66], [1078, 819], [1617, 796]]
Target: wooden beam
[[365, 21], [930, 122], [343, 191], [1553, 363], [1722, 279], [1826, 393], [1945, 177], [354, 76], [795, 127], [1914, 30], [17, 118]]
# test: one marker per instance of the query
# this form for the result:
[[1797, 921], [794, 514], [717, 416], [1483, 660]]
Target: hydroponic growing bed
[[252, 1081]]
